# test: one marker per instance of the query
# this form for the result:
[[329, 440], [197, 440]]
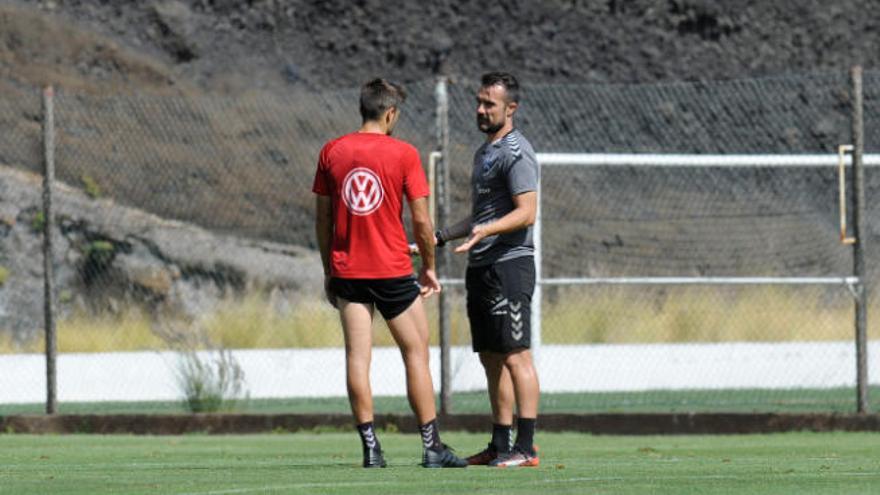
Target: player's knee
[[415, 357], [519, 360]]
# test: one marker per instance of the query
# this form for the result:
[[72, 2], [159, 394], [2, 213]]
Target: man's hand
[[525, 207], [331, 297], [428, 283], [414, 248], [478, 233]]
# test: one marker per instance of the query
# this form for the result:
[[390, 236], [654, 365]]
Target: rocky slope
[[108, 256], [206, 94], [238, 45]]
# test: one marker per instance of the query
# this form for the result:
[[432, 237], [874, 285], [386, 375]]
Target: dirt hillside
[[232, 45], [229, 144]]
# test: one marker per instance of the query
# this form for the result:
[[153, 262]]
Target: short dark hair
[[511, 86], [378, 95]]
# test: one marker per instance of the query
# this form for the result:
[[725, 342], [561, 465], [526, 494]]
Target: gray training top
[[502, 169]]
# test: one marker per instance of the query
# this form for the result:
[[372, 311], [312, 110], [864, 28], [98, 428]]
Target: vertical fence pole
[[860, 233], [48, 252], [538, 295], [445, 259]]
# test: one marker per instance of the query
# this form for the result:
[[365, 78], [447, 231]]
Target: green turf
[[313, 463], [840, 400]]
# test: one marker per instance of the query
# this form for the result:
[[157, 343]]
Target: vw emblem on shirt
[[362, 191]]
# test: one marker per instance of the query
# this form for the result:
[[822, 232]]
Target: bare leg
[[500, 385], [410, 331], [357, 327], [525, 382]]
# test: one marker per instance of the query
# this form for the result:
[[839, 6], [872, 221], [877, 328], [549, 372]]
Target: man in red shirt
[[361, 181]]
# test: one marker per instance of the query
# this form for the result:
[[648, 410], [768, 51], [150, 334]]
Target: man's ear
[[390, 114], [511, 108]]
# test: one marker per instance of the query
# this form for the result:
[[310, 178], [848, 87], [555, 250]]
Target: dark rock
[[176, 30], [291, 73], [553, 41]]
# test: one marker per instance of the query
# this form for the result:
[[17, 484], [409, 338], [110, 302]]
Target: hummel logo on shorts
[[498, 308]]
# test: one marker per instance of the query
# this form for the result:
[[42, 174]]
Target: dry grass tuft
[[571, 316]]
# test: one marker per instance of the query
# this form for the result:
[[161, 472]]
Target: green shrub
[[4, 274], [91, 187], [210, 385], [99, 255], [65, 296], [38, 223], [99, 247]]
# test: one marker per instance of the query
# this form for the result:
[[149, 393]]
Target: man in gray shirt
[[500, 277]]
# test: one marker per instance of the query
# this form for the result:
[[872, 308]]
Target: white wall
[[139, 376]]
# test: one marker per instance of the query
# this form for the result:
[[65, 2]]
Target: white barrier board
[[273, 373]]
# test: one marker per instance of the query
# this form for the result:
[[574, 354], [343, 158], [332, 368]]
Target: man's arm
[[324, 233], [456, 231], [525, 207], [423, 230]]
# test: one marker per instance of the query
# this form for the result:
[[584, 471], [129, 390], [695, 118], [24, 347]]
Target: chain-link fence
[[185, 224]]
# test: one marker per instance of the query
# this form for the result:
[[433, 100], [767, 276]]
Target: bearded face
[[493, 109]]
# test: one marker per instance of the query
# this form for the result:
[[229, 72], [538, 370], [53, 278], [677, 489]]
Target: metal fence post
[[445, 258], [538, 294], [48, 252], [860, 233]]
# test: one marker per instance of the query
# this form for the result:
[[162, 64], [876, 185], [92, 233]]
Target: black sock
[[525, 433], [368, 435], [430, 435], [502, 437]]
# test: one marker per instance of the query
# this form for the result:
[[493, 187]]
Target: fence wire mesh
[[628, 221], [185, 224]]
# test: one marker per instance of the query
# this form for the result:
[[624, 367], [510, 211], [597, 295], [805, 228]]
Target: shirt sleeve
[[321, 185], [522, 174], [415, 184]]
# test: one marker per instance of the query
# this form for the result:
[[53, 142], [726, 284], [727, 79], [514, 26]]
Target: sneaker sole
[[533, 462]]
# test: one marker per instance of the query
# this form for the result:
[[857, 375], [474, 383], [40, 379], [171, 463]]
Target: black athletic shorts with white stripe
[[392, 296], [499, 298]]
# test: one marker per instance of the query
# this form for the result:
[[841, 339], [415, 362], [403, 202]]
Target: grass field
[[328, 463]]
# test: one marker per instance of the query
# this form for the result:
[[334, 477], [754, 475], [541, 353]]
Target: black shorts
[[391, 296], [499, 298]]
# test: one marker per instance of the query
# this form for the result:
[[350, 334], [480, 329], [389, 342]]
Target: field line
[[580, 479], [291, 486], [706, 477]]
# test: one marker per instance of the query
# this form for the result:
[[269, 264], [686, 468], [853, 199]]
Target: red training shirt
[[366, 176]]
